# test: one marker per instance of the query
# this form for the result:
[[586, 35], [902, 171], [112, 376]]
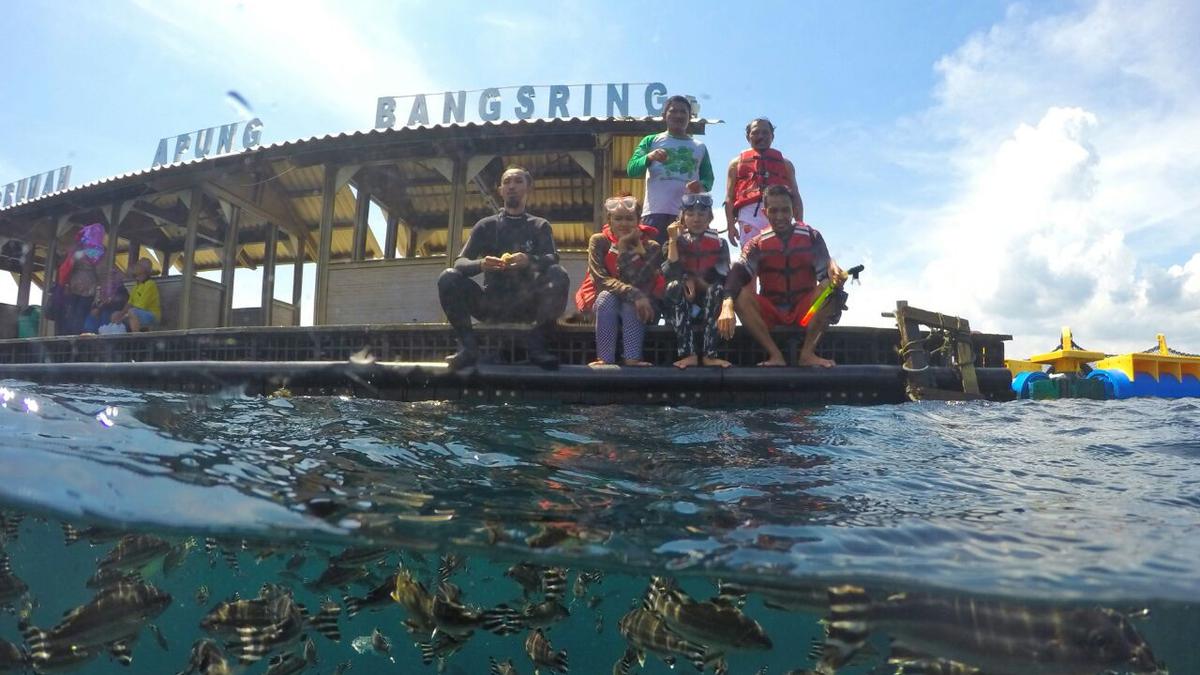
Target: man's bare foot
[[715, 362], [636, 363], [600, 362], [814, 361], [773, 362], [687, 362]]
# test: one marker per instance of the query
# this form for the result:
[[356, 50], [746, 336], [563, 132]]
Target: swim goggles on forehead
[[614, 203], [692, 200]]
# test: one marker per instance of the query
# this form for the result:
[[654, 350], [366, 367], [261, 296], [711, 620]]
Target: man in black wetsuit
[[522, 280]]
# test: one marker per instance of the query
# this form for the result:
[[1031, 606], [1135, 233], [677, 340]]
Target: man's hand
[[645, 310], [673, 230], [515, 261], [733, 232], [493, 264], [837, 275], [695, 187], [657, 155], [727, 319]]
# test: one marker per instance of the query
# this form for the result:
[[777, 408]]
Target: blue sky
[[1023, 165]]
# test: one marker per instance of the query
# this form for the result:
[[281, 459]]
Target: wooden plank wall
[[403, 291]]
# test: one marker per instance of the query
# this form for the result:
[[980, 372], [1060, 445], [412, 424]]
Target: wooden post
[[49, 278], [325, 250], [298, 243], [412, 245], [135, 254], [229, 267], [393, 225], [362, 212], [189, 257], [164, 258], [602, 185], [26, 279], [912, 352], [110, 253], [458, 204], [268, 280]]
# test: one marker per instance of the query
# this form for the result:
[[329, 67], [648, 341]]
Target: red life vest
[[785, 270], [755, 172], [700, 254], [585, 297]]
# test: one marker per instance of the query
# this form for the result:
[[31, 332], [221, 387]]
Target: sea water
[[1037, 507]]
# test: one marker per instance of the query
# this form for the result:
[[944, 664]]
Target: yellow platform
[[1066, 359], [1162, 362]]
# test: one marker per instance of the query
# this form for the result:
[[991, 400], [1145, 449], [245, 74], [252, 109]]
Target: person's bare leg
[[816, 328], [746, 305], [134, 324]]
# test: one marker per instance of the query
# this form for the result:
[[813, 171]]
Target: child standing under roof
[[673, 163], [624, 283], [696, 266]]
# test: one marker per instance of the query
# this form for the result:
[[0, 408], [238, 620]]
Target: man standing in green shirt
[[673, 163]]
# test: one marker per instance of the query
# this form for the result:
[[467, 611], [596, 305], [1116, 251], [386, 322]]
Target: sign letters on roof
[[523, 102], [35, 186], [200, 143]]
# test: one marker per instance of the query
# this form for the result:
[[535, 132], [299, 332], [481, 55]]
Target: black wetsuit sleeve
[[545, 254], [470, 260]]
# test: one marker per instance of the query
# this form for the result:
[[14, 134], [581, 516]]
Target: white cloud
[[298, 52], [1073, 159]]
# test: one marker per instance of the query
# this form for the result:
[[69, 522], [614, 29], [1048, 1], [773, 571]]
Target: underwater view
[[157, 532]]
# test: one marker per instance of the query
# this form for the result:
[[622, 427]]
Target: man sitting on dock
[[522, 280], [792, 265]]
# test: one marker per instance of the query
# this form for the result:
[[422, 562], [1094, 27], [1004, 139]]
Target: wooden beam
[[325, 245], [362, 210], [393, 226], [50, 276], [268, 280], [135, 253], [458, 202], [297, 278], [299, 226], [228, 267], [26, 281], [189, 258], [285, 220]]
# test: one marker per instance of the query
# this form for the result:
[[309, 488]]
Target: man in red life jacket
[[752, 172], [792, 265]]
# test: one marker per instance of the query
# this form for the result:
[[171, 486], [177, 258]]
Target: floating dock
[[403, 362]]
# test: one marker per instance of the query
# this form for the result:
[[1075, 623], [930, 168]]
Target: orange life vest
[[585, 297], [755, 172], [785, 270]]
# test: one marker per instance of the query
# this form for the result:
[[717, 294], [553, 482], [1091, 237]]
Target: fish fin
[[427, 652], [121, 652], [353, 606], [501, 620], [560, 662]]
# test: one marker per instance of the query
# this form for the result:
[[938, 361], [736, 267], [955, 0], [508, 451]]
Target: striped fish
[[360, 556], [542, 653], [12, 658], [450, 563], [286, 664], [375, 598], [326, 620], [452, 616], [206, 659], [11, 587], [10, 524], [417, 601], [554, 583], [717, 622], [441, 647], [646, 631], [996, 637], [628, 658]]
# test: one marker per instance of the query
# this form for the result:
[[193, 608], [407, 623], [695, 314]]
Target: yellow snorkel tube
[[853, 272]]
